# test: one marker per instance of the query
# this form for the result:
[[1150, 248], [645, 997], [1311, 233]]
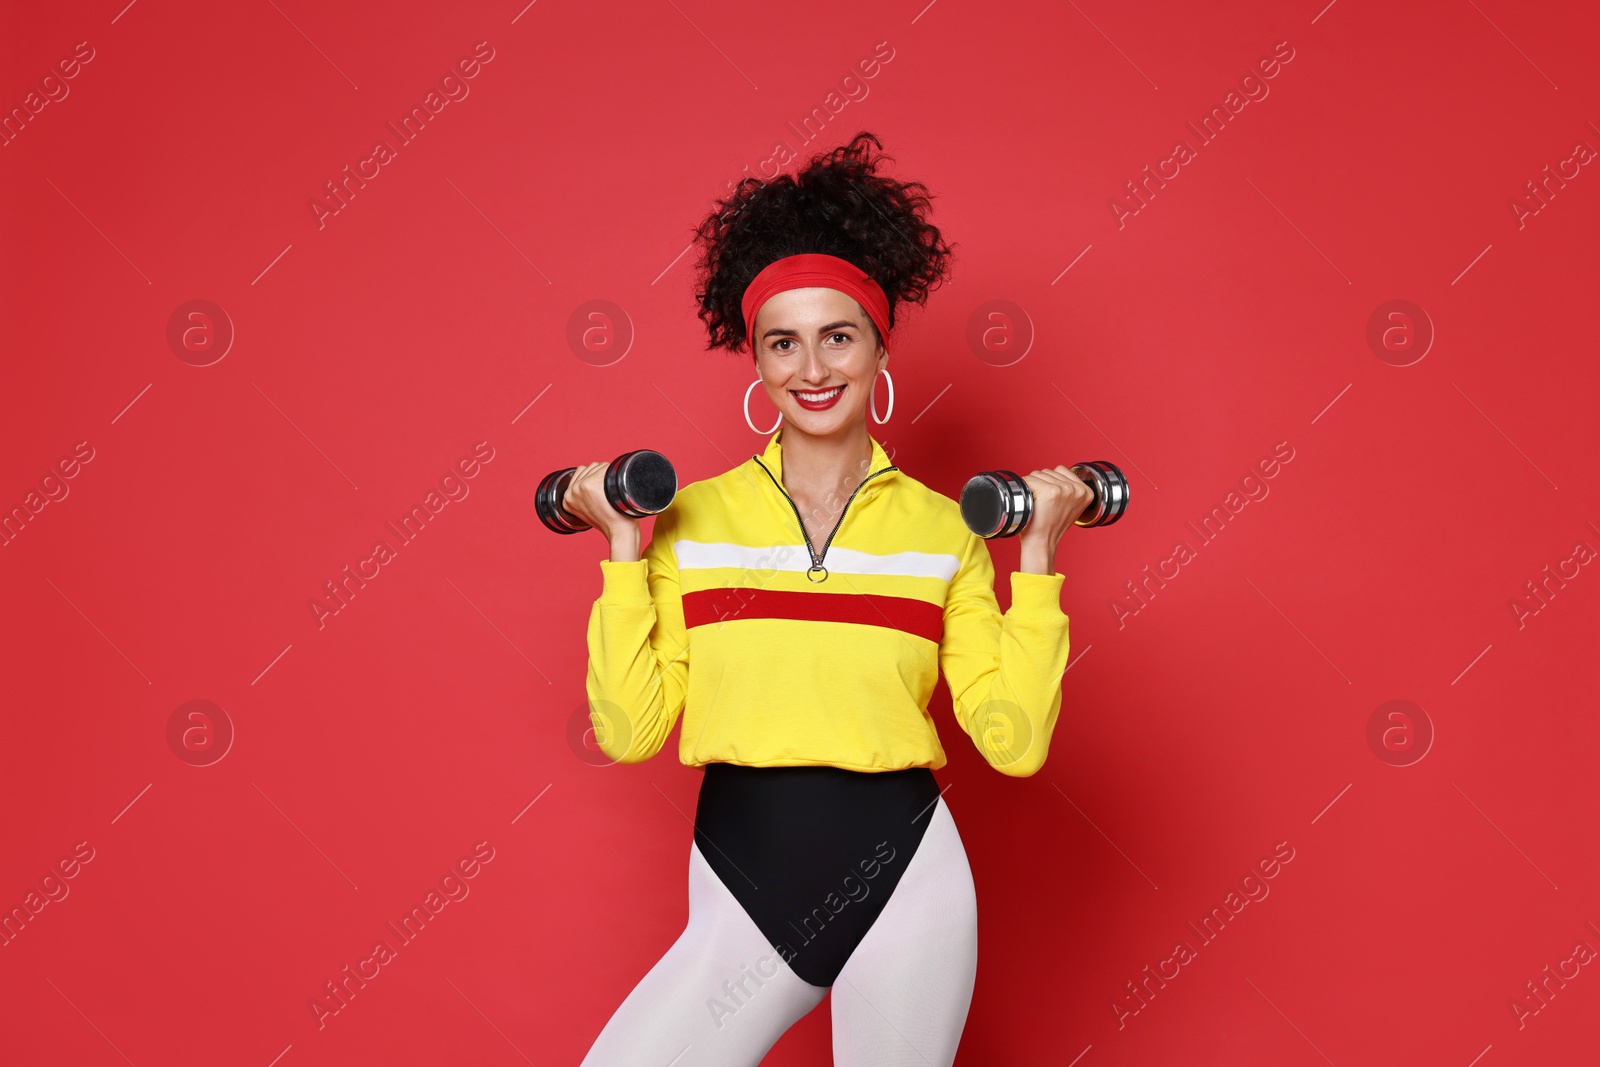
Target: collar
[[772, 458]]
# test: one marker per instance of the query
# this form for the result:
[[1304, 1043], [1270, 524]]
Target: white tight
[[722, 996]]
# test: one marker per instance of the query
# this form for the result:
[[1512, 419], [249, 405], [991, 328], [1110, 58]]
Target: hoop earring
[[747, 421], [873, 400]]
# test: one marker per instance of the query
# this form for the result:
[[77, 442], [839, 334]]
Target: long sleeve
[[638, 673], [1004, 671]]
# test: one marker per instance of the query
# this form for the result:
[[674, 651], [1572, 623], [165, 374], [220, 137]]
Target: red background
[[372, 351]]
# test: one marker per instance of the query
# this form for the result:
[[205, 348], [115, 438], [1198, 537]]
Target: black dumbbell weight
[[637, 483], [999, 503]]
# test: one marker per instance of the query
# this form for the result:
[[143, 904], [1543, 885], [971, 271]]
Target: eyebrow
[[777, 331]]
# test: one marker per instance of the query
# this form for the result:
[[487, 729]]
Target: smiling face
[[811, 341]]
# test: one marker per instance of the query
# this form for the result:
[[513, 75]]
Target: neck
[[818, 465]]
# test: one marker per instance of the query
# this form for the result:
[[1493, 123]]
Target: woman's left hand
[[1059, 497]]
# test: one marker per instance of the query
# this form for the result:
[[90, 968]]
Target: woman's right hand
[[585, 498]]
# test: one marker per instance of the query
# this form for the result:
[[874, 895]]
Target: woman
[[796, 609]]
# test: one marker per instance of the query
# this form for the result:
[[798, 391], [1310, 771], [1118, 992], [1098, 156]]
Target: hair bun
[[836, 203]]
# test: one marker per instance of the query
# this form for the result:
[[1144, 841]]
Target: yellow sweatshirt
[[720, 620]]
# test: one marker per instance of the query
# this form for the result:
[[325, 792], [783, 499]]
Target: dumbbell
[[999, 503], [637, 483]]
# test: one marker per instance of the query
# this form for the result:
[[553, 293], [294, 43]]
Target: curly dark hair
[[836, 204]]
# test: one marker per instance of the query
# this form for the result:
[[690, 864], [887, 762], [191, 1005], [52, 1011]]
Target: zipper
[[816, 557]]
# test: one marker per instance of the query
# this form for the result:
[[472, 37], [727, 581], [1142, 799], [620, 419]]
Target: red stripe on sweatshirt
[[707, 607]]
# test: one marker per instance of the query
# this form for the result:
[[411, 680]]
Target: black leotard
[[812, 853]]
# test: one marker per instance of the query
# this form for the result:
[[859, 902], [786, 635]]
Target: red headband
[[814, 269]]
